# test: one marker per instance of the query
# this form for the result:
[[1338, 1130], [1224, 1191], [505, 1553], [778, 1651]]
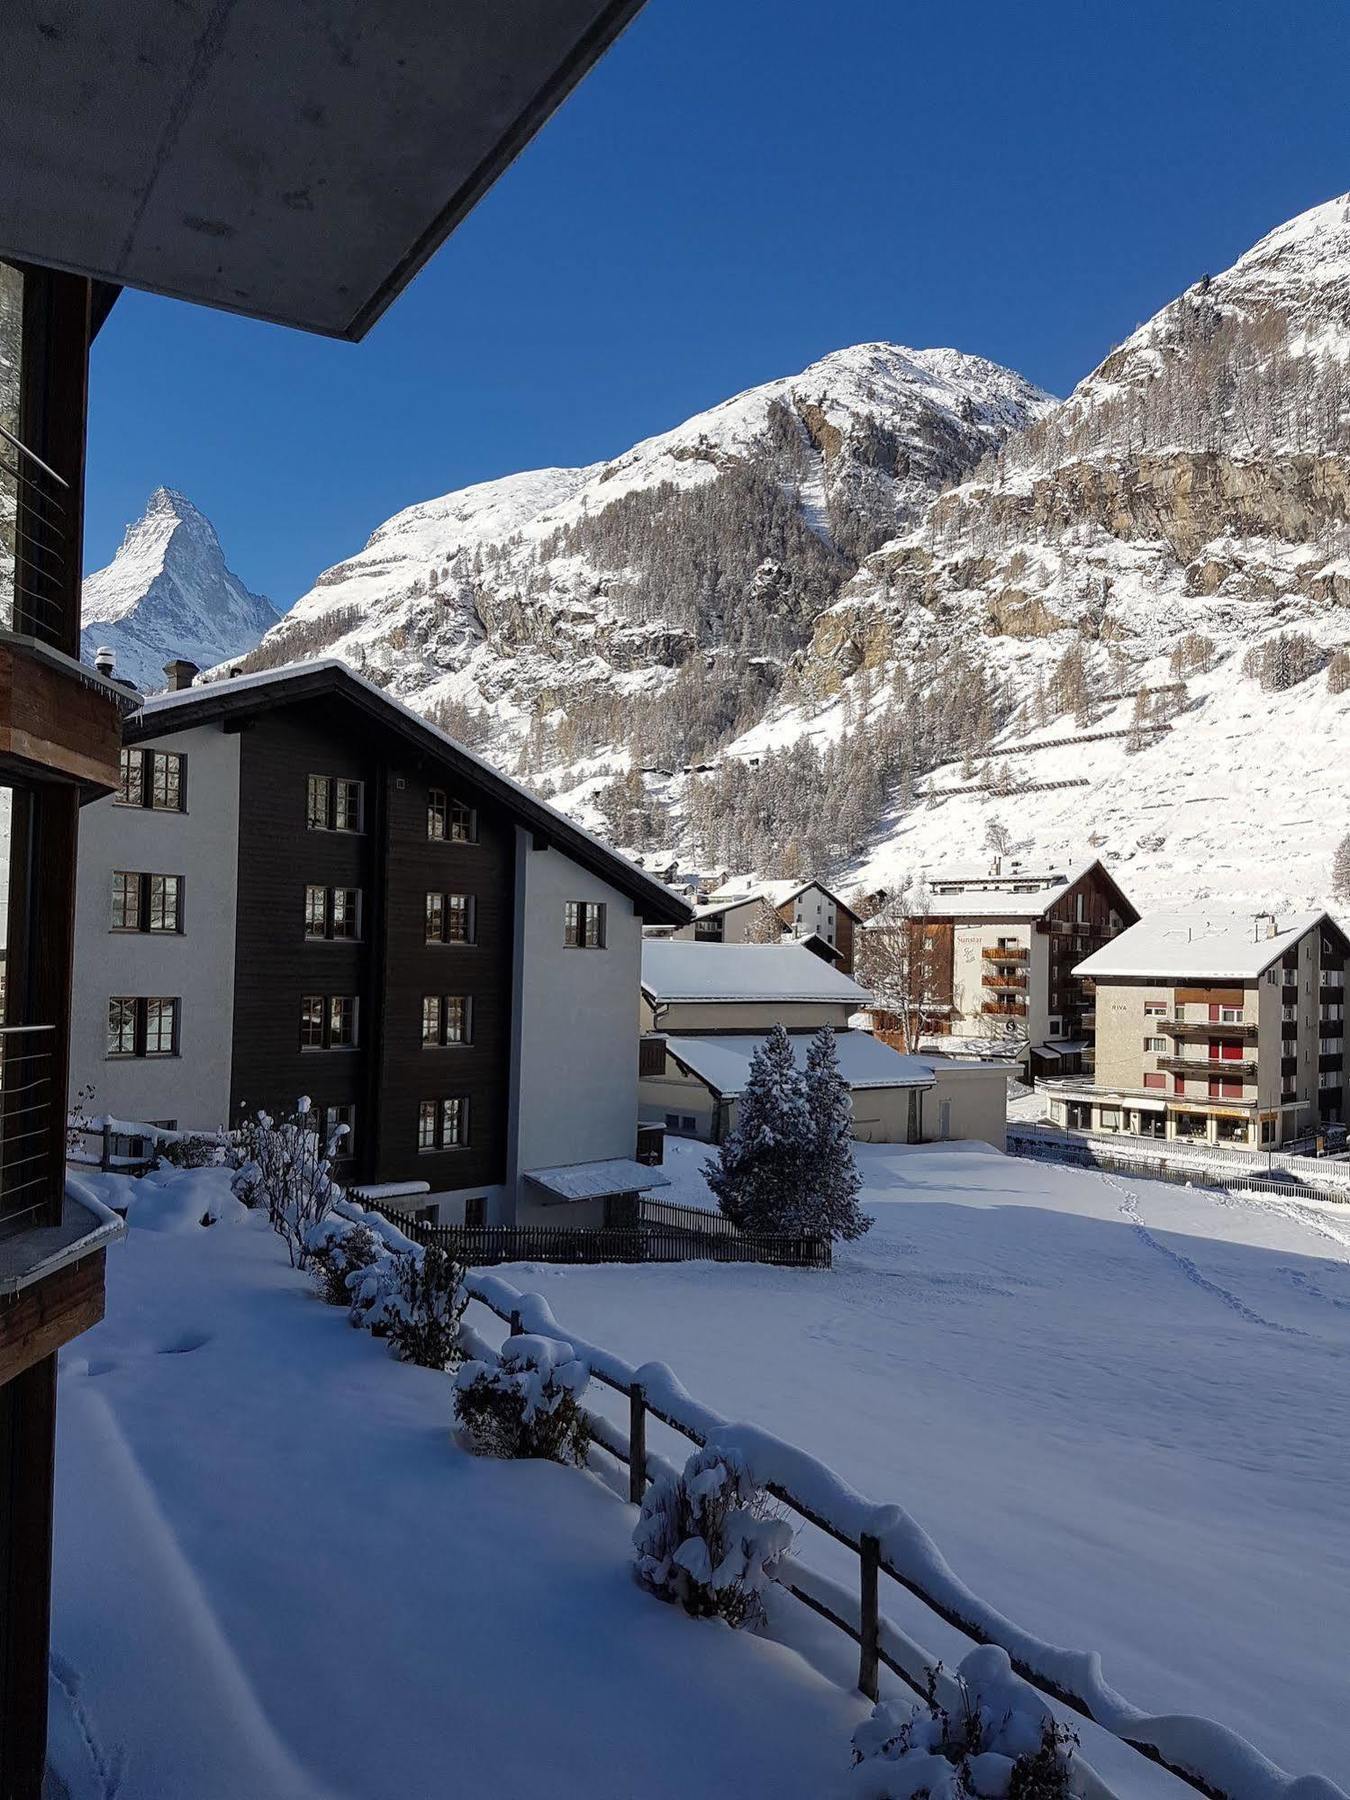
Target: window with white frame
[[143, 1025], [328, 1022], [447, 1019], [333, 803], [450, 919], [584, 925], [450, 820], [1155, 1045], [153, 778], [443, 1124]]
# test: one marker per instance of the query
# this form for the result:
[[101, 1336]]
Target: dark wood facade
[[391, 968]]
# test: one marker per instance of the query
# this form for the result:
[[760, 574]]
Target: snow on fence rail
[[887, 1541], [1180, 1166]]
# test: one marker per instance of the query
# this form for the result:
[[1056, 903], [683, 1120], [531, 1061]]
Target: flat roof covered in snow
[[598, 1180], [678, 969], [1213, 943], [723, 1060]]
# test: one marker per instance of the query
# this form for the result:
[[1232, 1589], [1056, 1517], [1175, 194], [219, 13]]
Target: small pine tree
[[762, 1169], [829, 1101], [1340, 870]]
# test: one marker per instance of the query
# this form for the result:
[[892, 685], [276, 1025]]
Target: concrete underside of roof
[[295, 162]]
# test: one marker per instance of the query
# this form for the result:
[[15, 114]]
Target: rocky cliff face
[[168, 593], [572, 600], [1182, 516]]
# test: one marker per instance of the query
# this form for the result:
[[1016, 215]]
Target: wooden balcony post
[[869, 1616], [637, 1444]]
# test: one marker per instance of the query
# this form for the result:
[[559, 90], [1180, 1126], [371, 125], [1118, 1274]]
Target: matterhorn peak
[[169, 593]]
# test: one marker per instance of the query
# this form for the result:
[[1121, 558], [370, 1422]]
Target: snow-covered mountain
[[571, 599], [168, 593], [1181, 519]]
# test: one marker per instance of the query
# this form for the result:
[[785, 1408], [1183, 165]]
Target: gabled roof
[[722, 1061], [681, 969], [292, 162], [327, 678], [736, 890], [1202, 943]]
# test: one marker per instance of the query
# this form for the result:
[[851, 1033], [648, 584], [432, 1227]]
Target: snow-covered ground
[[1121, 1408], [278, 1578]]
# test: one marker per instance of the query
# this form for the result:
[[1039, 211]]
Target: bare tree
[[898, 955]]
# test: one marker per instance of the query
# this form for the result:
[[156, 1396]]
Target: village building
[[301, 887], [743, 911], [1215, 1027], [706, 1009], [988, 966]]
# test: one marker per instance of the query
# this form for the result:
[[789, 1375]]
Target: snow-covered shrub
[[375, 1288], [191, 1152], [708, 1539], [338, 1248], [425, 1310], [526, 1403], [286, 1167], [78, 1120], [998, 1741]]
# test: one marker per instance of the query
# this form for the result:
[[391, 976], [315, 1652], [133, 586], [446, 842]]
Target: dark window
[[143, 1026], [584, 925], [332, 803], [333, 913], [165, 909], [443, 1124], [447, 1019], [450, 919], [146, 902], [339, 1130], [450, 820], [328, 1022], [153, 778], [126, 901], [475, 1211]]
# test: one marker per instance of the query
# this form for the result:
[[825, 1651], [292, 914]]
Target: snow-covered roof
[[1211, 943], [301, 680], [679, 969], [723, 1060], [598, 1180], [737, 889], [986, 901]]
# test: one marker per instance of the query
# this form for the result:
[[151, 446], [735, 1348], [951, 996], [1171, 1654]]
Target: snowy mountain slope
[[1184, 511], [596, 586], [169, 593]]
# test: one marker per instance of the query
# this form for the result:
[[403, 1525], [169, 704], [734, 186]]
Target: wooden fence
[[650, 1241], [1206, 1756]]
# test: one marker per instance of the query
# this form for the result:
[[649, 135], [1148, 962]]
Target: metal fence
[[1091, 1154]]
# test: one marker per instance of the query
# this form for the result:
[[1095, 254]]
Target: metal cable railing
[[40, 544], [27, 1082]]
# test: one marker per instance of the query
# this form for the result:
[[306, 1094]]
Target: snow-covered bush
[[191, 1152], [998, 1741], [286, 1167], [426, 1307], [708, 1539], [339, 1248], [374, 1290], [526, 1404]]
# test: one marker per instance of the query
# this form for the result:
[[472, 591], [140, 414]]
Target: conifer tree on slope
[[1340, 870], [829, 1102], [764, 1169]]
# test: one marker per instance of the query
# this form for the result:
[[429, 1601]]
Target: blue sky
[[738, 188]]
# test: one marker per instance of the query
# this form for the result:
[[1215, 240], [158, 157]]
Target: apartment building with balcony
[[996, 955], [293, 164], [1215, 1027]]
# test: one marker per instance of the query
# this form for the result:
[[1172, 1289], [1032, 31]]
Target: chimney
[[1272, 926], [181, 674], [105, 661]]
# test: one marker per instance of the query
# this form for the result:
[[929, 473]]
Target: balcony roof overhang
[[294, 160]]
